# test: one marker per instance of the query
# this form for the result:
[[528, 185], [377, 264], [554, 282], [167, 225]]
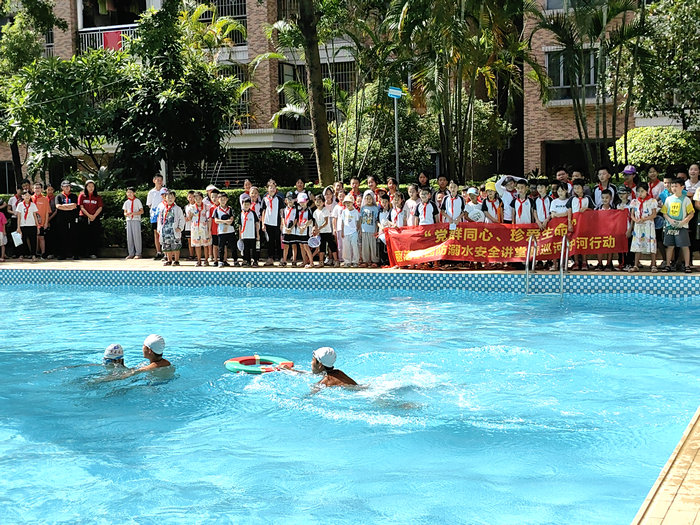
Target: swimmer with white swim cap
[[113, 356], [153, 348], [323, 362]]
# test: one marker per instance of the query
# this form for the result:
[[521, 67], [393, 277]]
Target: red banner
[[594, 232]]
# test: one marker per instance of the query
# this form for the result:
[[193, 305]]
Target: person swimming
[[323, 362], [153, 348], [113, 356]]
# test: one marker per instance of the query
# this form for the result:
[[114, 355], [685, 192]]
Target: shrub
[[660, 145]]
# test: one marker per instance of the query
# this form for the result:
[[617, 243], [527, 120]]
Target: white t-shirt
[[542, 205], [453, 206], [25, 213], [248, 219], [598, 193], [558, 206], [223, 214], [153, 201], [410, 208], [579, 203], [692, 189], [349, 220], [322, 216], [398, 217], [521, 210], [425, 213], [12, 203], [132, 206]]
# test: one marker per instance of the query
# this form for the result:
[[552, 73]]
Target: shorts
[[214, 240], [41, 232], [154, 226], [328, 244], [678, 238], [289, 238], [187, 234]]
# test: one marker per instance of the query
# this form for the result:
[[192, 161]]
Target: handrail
[[532, 241], [563, 262]]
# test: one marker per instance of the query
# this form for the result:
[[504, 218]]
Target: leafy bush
[[660, 145], [285, 166]]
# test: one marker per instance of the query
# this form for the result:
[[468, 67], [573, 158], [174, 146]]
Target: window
[[7, 178], [561, 88], [235, 9], [101, 13], [241, 73]]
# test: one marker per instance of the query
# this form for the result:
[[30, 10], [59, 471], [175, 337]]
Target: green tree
[[603, 29], [673, 88], [21, 43], [457, 53], [69, 106], [180, 106]]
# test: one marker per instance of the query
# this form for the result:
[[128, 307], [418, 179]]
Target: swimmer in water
[[153, 348], [322, 363], [113, 356]]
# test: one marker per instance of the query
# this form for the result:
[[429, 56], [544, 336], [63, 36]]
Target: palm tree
[[601, 28]]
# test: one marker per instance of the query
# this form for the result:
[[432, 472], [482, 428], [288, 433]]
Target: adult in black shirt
[[67, 222]]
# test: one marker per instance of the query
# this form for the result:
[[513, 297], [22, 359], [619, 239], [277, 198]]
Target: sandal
[[688, 269], [666, 268], [654, 269], [633, 269]]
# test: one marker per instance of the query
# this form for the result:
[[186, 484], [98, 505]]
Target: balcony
[[109, 37]]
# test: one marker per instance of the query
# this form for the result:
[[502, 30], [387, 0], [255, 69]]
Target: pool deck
[[673, 500], [675, 497]]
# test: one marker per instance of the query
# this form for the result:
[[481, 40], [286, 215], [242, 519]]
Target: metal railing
[[531, 261], [94, 37], [530, 256]]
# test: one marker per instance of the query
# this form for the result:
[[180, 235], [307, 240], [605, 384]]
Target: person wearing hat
[[472, 204], [492, 206], [113, 356], [323, 362], [153, 347], [90, 204], [67, 222], [631, 180], [507, 192]]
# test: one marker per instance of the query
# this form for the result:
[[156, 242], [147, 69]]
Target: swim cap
[[156, 343], [114, 351], [325, 355]]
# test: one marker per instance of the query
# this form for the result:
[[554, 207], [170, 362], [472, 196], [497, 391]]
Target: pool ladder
[[531, 262]]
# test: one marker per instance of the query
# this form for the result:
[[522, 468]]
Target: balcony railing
[[110, 37]]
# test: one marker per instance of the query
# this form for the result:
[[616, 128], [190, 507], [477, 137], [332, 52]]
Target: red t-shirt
[[91, 203]]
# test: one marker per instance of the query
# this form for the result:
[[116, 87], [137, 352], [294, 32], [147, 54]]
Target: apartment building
[[550, 134], [106, 24]]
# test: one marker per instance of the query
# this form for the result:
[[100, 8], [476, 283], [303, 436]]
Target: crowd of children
[[338, 227]]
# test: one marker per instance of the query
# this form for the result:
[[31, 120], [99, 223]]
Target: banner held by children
[[594, 232]]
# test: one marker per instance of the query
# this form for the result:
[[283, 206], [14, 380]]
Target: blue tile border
[[575, 284]]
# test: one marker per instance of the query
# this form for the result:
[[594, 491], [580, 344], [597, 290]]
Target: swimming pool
[[479, 408]]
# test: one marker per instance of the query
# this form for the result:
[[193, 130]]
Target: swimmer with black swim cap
[[322, 363]]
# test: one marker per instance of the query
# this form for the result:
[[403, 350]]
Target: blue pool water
[[484, 409]]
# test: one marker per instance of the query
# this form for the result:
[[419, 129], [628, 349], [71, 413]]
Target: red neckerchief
[[167, 210], [425, 209], [641, 204], [544, 206], [600, 187], [132, 199], [226, 210], [653, 185], [580, 203], [452, 206], [66, 197], [396, 216], [301, 214], [35, 197], [26, 210], [245, 221], [270, 200], [520, 206], [199, 212], [287, 215]]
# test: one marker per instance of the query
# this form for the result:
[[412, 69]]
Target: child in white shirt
[[349, 226], [27, 221], [426, 213], [133, 209], [324, 228]]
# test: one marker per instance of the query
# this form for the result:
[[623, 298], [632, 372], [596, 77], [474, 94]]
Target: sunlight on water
[[472, 408]]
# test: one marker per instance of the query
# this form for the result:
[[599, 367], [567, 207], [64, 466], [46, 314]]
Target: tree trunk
[[308, 21], [16, 163]]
